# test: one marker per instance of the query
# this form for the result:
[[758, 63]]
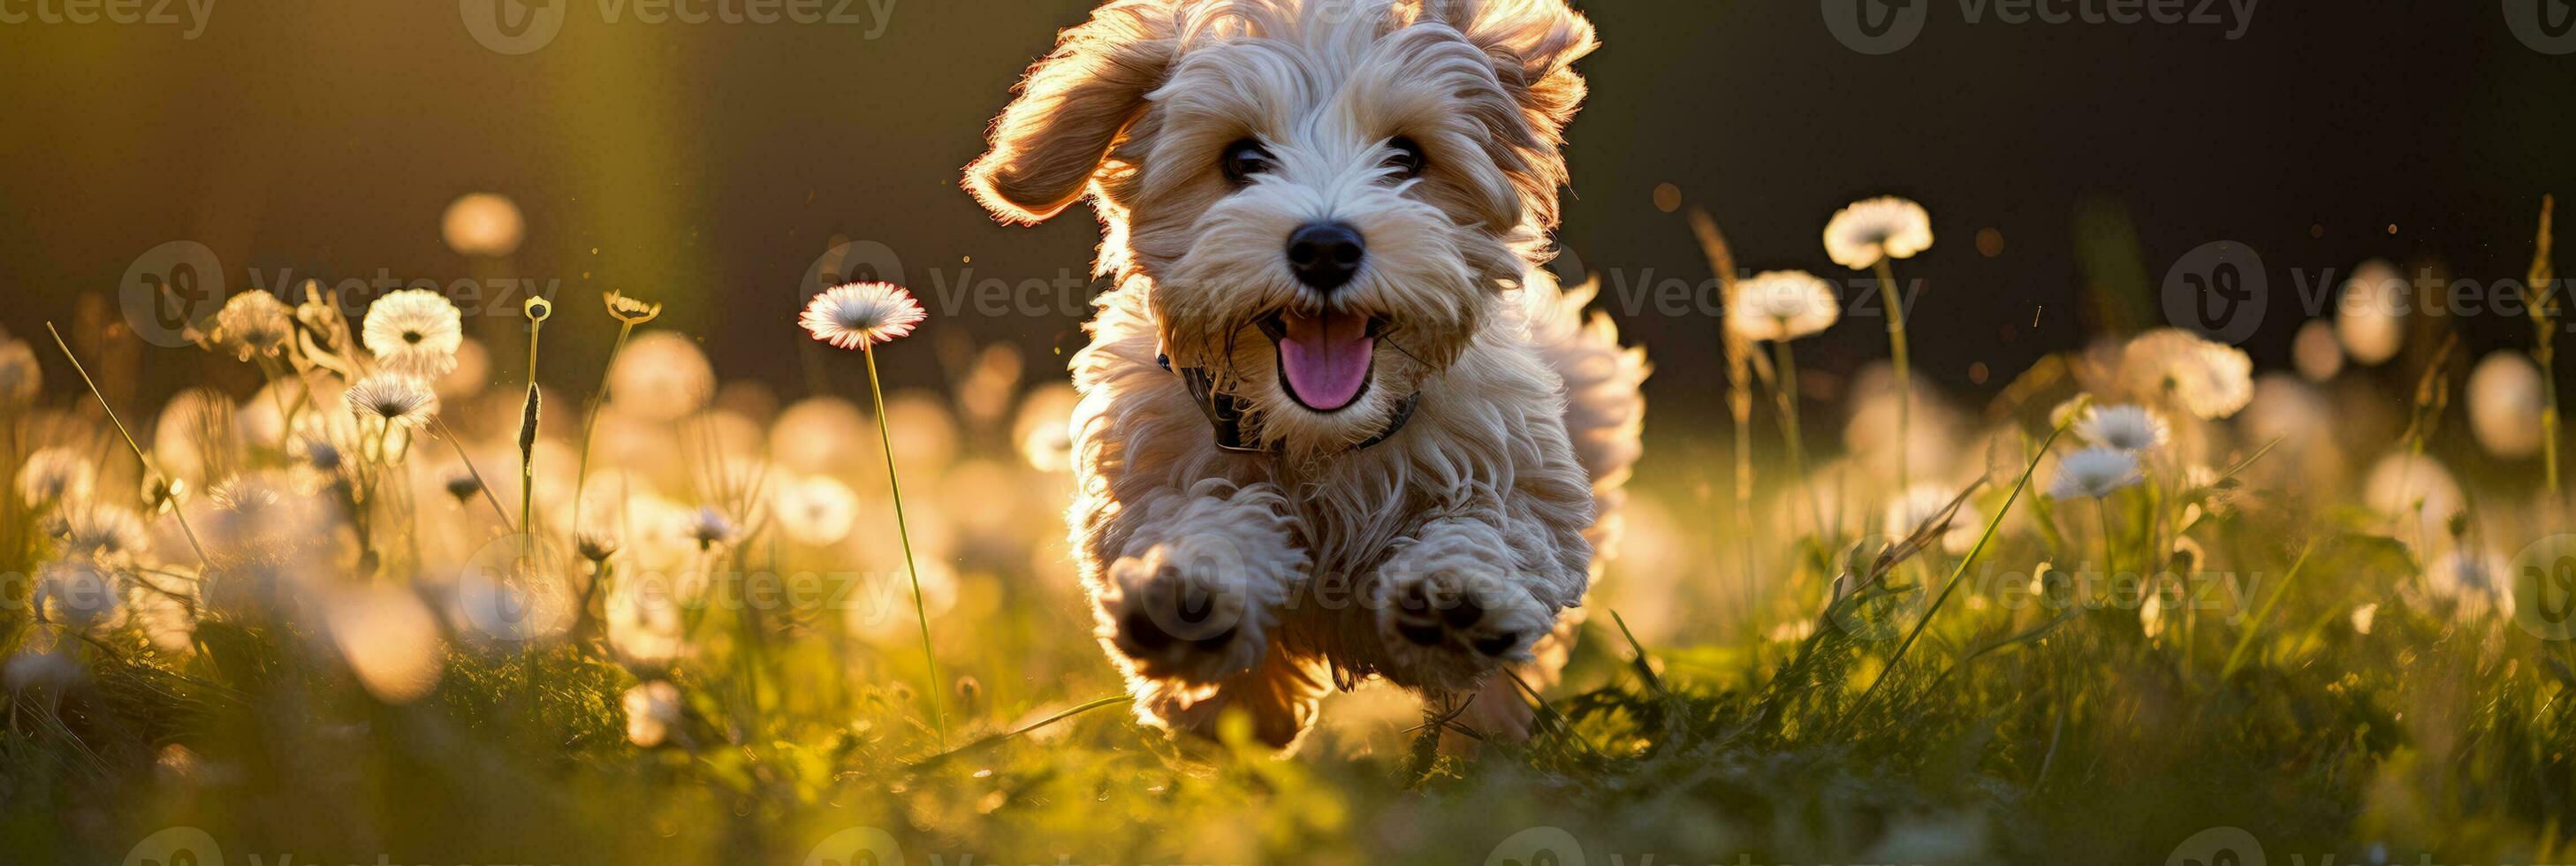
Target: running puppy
[[1336, 421]]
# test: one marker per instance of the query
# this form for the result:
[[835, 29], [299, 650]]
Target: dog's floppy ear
[[1075, 102], [1534, 44]]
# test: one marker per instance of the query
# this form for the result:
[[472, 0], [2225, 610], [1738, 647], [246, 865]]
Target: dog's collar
[[1227, 412]]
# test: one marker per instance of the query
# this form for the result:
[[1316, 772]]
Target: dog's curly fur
[[1457, 546]]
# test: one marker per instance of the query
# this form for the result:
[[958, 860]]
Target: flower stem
[[1904, 383], [176, 513], [920, 612], [1788, 385], [590, 423]]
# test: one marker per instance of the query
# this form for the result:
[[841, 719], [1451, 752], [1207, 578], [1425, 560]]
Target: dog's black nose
[[1325, 255]]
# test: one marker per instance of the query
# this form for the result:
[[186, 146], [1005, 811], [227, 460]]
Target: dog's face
[[1326, 195]]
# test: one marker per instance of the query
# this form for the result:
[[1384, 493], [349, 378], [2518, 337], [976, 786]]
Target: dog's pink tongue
[[1326, 357]]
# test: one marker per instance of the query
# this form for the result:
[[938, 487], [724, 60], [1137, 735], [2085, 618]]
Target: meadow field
[[364, 594]]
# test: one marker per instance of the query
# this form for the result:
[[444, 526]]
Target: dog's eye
[[1407, 160], [1243, 159]]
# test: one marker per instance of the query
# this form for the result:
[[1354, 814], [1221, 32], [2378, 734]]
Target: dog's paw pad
[[1449, 626], [1173, 623]]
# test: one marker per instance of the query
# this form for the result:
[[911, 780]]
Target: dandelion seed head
[[482, 224], [816, 510], [1781, 305], [1044, 428], [55, 475], [708, 527], [414, 332], [861, 315], [109, 533], [2205, 379], [2094, 473], [2315, 351], [2370, 314], [1925, 501], [661, 376], [254, 324], [2507, 399], [78, 593], [1880, 228], [20, 378], [2474, 580], [596, 543], [2127, 428]]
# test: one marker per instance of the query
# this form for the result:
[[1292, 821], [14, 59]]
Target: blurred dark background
[[709, 165]]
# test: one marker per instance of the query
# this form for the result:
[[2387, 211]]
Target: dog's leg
[[1465, 597], [1279, 697], [1195, 597]]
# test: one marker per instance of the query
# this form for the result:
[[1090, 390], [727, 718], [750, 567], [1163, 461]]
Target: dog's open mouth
[[1324, 358]]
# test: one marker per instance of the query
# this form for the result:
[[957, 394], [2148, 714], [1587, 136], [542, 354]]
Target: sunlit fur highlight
[[1499, 488]]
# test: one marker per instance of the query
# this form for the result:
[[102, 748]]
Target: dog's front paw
[[1195, 610], [1450, 611]]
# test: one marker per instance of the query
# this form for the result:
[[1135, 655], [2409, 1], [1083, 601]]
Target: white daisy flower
[[816, 510], [78, 594], [652, 710], [1782, 305], [254, 324], [400, 400], [861, 315], [1881, 228], [55, 475], [2094, 472], [20, 378], [2209, 380], [415, 332], [2127, 428], [2506, 401]]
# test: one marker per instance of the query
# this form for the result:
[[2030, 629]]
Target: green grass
[[2017, 727]]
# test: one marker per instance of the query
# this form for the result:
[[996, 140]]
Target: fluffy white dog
[[1335, 420]]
